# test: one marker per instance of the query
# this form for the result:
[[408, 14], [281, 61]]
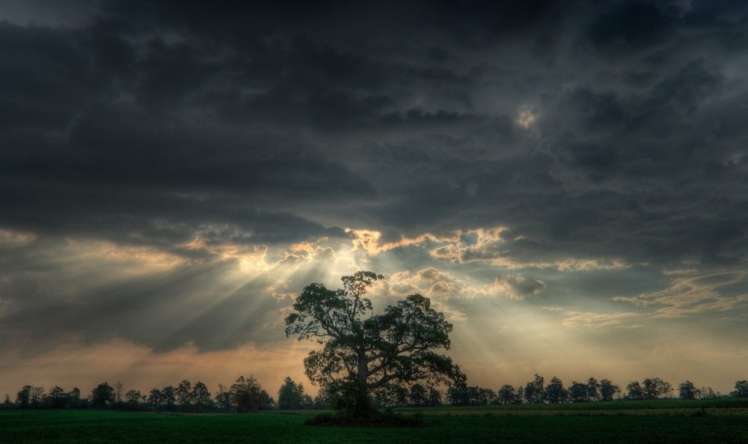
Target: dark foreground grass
[[379, 420], [83, 427]]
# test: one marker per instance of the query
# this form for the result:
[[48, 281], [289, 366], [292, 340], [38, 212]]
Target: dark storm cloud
[[612, 130], [140, 79]]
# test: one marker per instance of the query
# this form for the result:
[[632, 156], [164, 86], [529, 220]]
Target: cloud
[[521, 286], [444, 286], [369, 241], [508, 252], [11, 238], [173, 174], [401, 142], [576, 319], [692, 292], [494, 245]]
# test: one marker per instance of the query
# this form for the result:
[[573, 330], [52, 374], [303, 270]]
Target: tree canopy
[[102, 395], [364, 352], [291, 396], [247, 395]]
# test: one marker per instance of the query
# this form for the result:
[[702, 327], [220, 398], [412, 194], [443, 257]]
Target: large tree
[[364, 352]]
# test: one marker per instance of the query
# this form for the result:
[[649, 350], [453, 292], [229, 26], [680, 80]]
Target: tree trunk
[[362, 404]]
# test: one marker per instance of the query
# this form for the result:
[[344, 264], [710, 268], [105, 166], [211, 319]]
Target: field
[[614, 422]]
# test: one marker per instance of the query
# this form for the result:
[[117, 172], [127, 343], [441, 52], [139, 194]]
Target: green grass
[[615, 422]]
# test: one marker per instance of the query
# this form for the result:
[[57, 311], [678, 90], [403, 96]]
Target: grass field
[[614, 422]]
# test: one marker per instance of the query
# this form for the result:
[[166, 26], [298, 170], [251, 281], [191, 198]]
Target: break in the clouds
[[565, 180]]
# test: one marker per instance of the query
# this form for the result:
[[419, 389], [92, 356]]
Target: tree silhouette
[[593, 389], [741, 389], [102, 395], [118, 392], [635, 391], [707, 393], [687, 391], [184, 393], [655, 388], [247, 395], [23, 397], [534, 390], [390, 395], [363, 352], [75, 397], [168, 397], [506, 394], [57, 398], [133, 398], [458, 394], [607, 390], [223, 397], [462, 394], [485, 396], [37, 396], [290, 395], [200, 396], [579, 392], [555, 391], [326, 398], [155, 398]]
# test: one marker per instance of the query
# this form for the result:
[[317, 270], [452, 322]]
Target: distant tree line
[[537, 391], [246, 395]]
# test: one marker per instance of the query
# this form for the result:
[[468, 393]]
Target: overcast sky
[[568, 181]]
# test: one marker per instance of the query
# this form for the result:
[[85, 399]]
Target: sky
[[566, 180]]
